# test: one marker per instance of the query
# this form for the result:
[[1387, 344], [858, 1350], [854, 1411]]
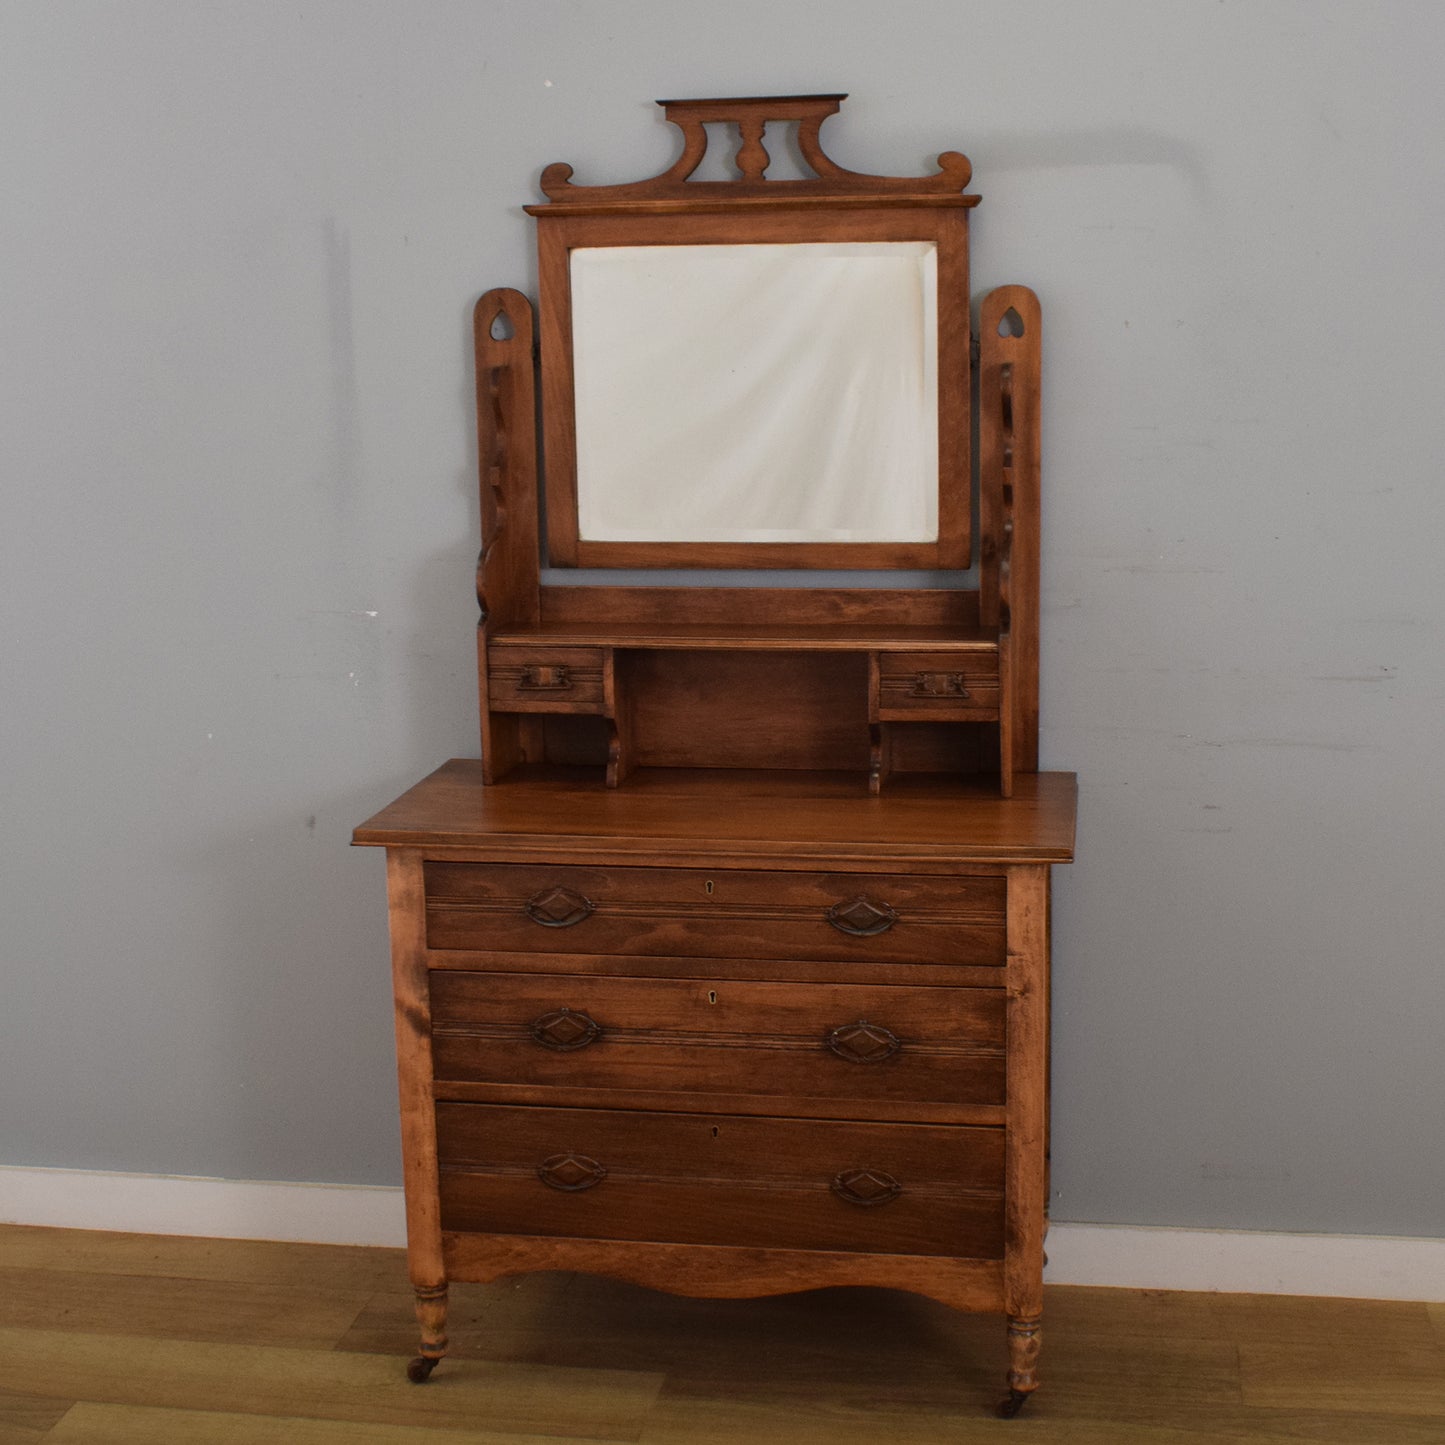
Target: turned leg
[[1024, 1338], [431, 1315]]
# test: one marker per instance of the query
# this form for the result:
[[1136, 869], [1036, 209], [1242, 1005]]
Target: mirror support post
[[508, 575]]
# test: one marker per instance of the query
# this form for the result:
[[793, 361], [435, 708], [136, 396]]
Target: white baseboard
[[1347, 1266], [1119, 1255], [215, 1208]]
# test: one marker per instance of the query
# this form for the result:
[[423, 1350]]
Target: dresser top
[[715, 814]]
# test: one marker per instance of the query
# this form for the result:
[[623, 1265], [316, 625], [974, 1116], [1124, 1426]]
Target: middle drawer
[[806, 1041]]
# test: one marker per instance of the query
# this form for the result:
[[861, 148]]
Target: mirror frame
[[834, 205]]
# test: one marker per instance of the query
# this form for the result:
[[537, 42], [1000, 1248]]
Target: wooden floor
[[136, 1338]]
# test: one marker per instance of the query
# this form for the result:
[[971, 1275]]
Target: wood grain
[[298, 1313], [1381, 1379], [1009, 480], [727, 1271], [718, 913], [411, 1000], [693, 1038], [508, 565], [326, 1385], [868, 616], [729, 1180], [774, 970], [563, 1356], [752, 115], [798, 710], [685, 817], [25, 1419], [91, 1424], [323, 1267]]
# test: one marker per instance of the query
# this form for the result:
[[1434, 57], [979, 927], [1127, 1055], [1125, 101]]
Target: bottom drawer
[[722, 1179]]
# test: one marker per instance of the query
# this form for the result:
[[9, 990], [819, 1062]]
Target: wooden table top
[[716, 814]]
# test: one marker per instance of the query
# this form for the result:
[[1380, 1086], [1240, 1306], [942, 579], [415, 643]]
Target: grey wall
[[240, 247]]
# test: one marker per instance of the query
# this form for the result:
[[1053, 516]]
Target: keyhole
[[712, 995], [714, 1131], [707, 887]]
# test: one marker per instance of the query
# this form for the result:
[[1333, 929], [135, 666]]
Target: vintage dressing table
[[725, 969]]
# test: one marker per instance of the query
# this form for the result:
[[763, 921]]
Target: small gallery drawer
[[833, 1042], [944, 686], [722, 1179], [727, 913], [544, 679]]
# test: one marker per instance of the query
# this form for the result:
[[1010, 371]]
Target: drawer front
[[722, 1179], [727, 913], [943, 686], [803, 1041], [545, 679]]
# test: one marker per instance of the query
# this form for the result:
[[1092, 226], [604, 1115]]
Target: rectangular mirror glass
[[757, 393]]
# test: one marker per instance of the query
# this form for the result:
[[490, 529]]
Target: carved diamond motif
[[558, 907], [571, 1173], [866, 1187], [564, 1030], [861, 917], [863, 1043]]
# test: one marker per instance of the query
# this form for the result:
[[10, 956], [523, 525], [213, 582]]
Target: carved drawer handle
[[866, 1187], [565, 1029], [939, 684], [861, 917], [571, 1173], [544, 677], [863, 1043], [558, 907]]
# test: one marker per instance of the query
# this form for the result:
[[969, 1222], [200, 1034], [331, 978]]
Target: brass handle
[[861, 917], [545, 677], [565, 1029], [863, 1043], [866, 1188], [558, 907], [939, 684], [571, 1173]]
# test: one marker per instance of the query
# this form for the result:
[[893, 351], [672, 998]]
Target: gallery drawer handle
[[866, 1187], [545, 677], [863, 1043], [571, 1173], [861, 917], [558, 907], [939, 684], [565, 1029]]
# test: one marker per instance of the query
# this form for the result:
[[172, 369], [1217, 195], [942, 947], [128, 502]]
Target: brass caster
[[419, 1371], [1010, 1407]]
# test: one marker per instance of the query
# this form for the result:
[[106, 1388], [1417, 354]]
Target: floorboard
[[115, 1339]]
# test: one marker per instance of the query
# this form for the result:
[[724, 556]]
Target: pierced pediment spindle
[[752, 116]]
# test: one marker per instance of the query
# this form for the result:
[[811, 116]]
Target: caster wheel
[[1010, 1407], [419, 1371]]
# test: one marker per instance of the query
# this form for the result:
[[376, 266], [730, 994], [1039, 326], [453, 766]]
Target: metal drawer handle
[[861, 917], [866, 1188], [571, 1173], [565, 1029], [558, 907], [863, 1043], [939, 684], [545, 677]]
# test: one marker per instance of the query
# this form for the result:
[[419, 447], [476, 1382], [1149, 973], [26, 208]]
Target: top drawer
[[545, 679], [726, 913], [938, 686]]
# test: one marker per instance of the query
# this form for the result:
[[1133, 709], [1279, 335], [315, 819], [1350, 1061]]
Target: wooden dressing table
[[724, 970]]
